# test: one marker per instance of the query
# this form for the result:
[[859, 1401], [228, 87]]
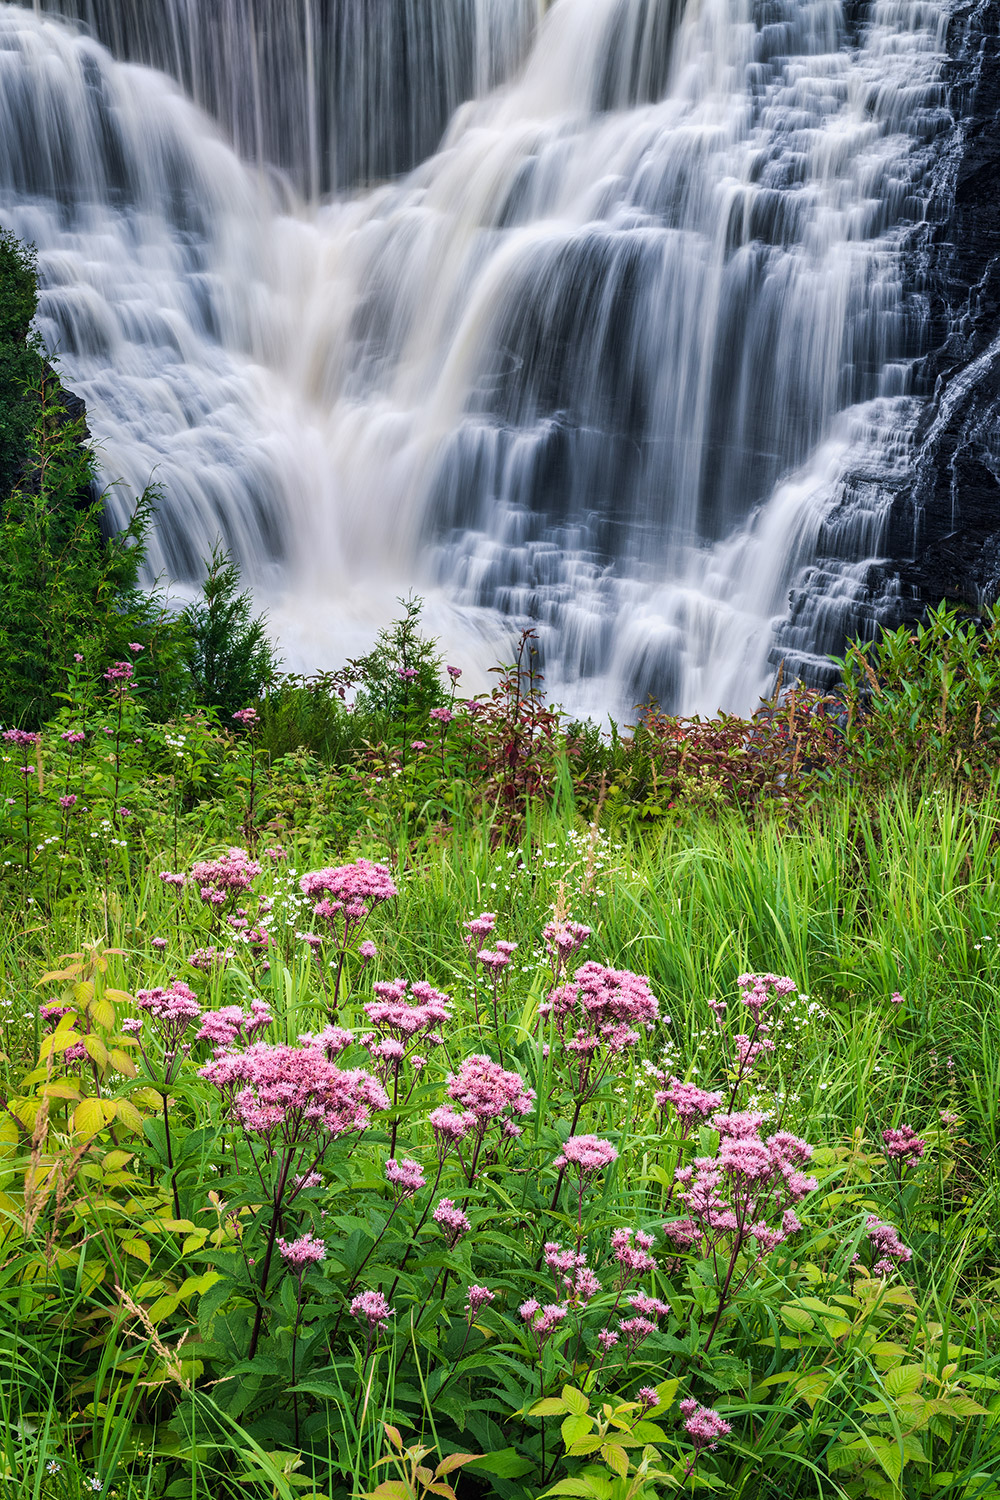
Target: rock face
[[944, 531]]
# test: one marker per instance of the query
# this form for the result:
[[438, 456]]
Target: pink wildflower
[[904, 1145], [68, 801], [477, 929], [631, 1249], [231, 1024], [449, 1126], [704, 1426], [454, 673], [587, 1152], [249, 718], [442, 715], [689, 1101], [452, 1220], [543, 1321], [563, 939], [231, 874], [886, 1246], [367, 950], [374, 1308], [159, 944], [608, 1338], [649, 1396], [407, 1175], [570, 1270], [295, 1089], [478, 1297], [488, 1092], [895, 998], [346, 894], [177, 881], [303, 1252]]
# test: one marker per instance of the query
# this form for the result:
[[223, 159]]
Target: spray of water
[[611, 358]]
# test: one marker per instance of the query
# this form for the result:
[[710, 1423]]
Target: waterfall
[[631, 353], [335, 92]]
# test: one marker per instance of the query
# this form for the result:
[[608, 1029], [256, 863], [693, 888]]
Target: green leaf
[[904, 1380], [575, 1427], [505, 1463], [576, 1401], [616, 1458]]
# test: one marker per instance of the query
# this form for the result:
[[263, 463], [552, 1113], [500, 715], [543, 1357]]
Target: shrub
[[231, 658]]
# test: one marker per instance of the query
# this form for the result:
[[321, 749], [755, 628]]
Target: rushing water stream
[[629, 352]]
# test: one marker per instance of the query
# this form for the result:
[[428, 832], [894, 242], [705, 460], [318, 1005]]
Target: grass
[[855, 903]]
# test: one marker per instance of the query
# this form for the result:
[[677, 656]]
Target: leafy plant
[[232, 660]]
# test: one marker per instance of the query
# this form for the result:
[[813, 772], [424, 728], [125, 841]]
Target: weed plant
[[323, 1178]]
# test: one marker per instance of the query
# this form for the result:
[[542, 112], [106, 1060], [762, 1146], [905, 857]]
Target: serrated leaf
[[128, 1115], [102, 1013], [616, 1458], [904, 1379], [797, 1318], [576, 1401], [394, 1435], [138, 1248], [95, 1049], [88, 1117], [454, 1461], [392, 1489], [577, 1425], [551, 1406]]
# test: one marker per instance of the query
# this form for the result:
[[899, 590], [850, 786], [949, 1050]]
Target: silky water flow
[[601, 315]]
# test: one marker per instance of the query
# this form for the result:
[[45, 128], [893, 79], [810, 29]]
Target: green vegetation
[[407, 1094]]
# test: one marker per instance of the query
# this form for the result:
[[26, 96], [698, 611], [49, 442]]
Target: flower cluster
[[588, 1152], [690, 1103], [746, 1190], [703, 1424], [904, 1146], [373, 1307], [406, 1175], [346, 894], [563, 939], [888, 1250], [570, 1271], [231, 1025], [295, 1091], [173, 1008], [219, 880], [452, 1220], [487, 1092], [599, 1014], [306, 1251]]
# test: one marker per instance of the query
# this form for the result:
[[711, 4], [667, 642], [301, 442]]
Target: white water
[[607, 361]]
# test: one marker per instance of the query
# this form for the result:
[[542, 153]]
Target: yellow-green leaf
[[138, 1248], [576, 1401], [95, 1048], [88, 1117], [616, 1458], [904, 1380], [128, 1115], [576, 1426]]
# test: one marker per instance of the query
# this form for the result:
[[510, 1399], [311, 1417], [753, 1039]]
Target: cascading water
[[630, 355], [335, 92]]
